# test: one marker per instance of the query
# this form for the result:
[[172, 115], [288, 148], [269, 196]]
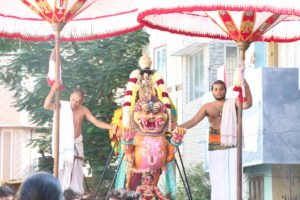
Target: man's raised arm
[[248, 102], [48, 105]]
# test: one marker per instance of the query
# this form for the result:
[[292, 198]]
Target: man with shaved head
[[72, 114]]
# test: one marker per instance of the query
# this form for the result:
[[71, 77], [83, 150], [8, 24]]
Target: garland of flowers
[[117, 119], [161, 88], [130, 97], [162, 94]]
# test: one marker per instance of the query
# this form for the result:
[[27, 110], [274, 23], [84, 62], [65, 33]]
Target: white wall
[[16, 159], [288, 54]]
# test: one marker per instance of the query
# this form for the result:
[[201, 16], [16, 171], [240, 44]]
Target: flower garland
[[162, 94], [161, 88], [130, 97]]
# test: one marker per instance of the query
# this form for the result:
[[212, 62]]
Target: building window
[[231, 62], [160, 61], [256, 188], [195, 76]]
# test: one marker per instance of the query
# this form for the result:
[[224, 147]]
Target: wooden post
[[272, 54], [57, 27], [243, 46]]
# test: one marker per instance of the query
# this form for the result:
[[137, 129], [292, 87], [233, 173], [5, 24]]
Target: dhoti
[[71, 176], [222, 168]]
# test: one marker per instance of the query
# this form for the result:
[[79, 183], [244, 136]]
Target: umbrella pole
[[243, 46], [57, 27]]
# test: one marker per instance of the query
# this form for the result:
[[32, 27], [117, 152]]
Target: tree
[[100, 67], [199, 184], [7, 45], [43, 144]]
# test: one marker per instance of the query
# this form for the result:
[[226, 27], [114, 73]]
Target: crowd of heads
[[6, 193], [47, 187], [40, 186], [70, 194]]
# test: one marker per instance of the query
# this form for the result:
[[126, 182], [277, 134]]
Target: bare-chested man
[[221, 170], [213, 110], [73, 177]]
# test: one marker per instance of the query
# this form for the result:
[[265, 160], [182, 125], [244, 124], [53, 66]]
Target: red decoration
[[126, 104], [128, 92], [240, 96], [59, 14], [167, 105], [229, 23], [247, 26], [159, 82], [133, 80], [165, 94]]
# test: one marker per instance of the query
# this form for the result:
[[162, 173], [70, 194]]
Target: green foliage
[[43, 144], [12, 45], [199, 184], [99, 67]]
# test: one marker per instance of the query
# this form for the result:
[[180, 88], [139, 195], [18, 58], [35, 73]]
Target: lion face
[[150, 116]]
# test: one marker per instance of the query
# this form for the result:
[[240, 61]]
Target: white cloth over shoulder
[[229, 123], [66, 135]]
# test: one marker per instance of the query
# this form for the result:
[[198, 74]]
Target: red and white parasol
[[70, 20], [256, 20], [84, 19], [242, 21]]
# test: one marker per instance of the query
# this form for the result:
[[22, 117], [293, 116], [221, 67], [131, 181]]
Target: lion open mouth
[[151, 125]]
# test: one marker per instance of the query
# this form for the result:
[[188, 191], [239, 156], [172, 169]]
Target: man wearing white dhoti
[[221, 115], [71, 155]]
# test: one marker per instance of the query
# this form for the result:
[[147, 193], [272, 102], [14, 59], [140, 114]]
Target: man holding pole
[[222, 117], [72, 114]]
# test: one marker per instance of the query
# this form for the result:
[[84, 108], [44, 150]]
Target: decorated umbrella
[[242, 21], [70, 20]]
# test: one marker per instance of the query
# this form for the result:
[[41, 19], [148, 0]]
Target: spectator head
[[6, 193], [122, 194], [131, 195], [115, 194], [40, 186], [70, 194]]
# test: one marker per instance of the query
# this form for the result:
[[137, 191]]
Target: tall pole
[[57, 27], [243, 46]]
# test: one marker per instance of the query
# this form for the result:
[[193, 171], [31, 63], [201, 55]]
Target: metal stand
[[105, 169], [185, 176], [114, 177], [183, 182]]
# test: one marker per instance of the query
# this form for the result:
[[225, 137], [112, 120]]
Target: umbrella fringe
[[79, 30]]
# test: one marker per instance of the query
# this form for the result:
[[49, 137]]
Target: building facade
[[270, 157], [189, 66], [17, 159]]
